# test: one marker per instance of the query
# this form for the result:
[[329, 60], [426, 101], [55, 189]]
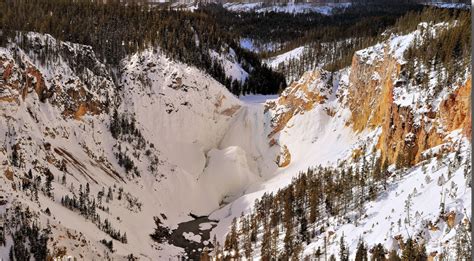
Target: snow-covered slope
[[325, 119], [295, 8], [273, 62], [171, 150], [233, 69], [158, 144]]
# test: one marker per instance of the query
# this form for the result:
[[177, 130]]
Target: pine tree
[[232, 240], [393, 256], [205, 255], [304, 230], [110, 195], [274, 242], [15, 156], [421, 253], [361, 253], [297, 250], [288, 243], [408, 205], [378, 253], [318, 253], [343, 250], [48, 183], [265, 250], [409, 252], [463, 242], [87, 191], [215, 246]]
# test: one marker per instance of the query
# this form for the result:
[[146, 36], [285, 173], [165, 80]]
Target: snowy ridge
[[294, 8], [180, 116]]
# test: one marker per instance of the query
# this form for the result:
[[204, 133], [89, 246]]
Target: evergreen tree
[[408, 205], [343, 250], [48, 183], [378, 253], [265, 250], [16, 156], [463, 246], [409, 251], [393, 256], [361, 253]]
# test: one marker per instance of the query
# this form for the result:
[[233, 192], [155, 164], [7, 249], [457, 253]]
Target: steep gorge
[[195, 147]]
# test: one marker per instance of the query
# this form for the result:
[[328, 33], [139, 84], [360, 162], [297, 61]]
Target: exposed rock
[[313, 88], [432, 256], [405, 133], [231, 111], [284, 158], [8, 174], [450, 219], [76, 82], [455, 110]]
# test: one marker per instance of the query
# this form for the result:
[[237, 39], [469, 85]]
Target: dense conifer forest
[[188, 36], [182, 35], [331, 41]]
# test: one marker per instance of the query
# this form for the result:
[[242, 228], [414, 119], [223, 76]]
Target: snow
[[227, 173], [213, 149], [168, 100], [398, 44], [380, 226], [247, 43], [205, 226], [285, 57], [257, 98], [315, 138], [450, 5], [231, 67], [242, 7], [255, 46], [192, 237], [294, 8]]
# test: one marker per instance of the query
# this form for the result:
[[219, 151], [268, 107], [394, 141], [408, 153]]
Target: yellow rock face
[[299, 97], [371, 103], [284, 158]]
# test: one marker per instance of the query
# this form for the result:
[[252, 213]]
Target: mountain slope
[[370, 113], [166, 121], [151, 158]]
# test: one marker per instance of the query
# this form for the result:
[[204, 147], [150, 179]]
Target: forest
[[182, 35], [330, 41], [282, 224]]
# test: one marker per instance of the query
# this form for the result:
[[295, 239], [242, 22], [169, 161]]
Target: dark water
[[193, 249]]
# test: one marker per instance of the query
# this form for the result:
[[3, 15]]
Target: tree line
[[182, 35], [330, 41]]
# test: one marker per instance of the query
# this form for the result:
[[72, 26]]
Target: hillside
[[148, 154], [384, 143]]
